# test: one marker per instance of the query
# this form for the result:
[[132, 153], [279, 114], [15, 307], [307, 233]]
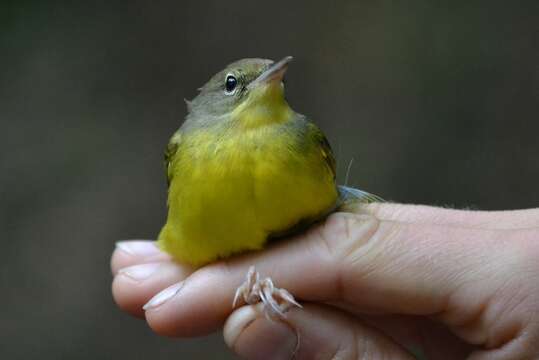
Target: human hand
[[452, 283]]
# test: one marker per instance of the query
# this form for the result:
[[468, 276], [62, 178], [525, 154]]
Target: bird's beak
[[274, 73]]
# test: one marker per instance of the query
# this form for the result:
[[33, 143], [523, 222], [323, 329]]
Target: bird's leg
[[276, 301]]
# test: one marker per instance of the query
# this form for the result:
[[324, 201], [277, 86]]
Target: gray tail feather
[[348, 194]]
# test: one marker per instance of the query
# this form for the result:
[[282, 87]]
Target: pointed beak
[[274, 73]]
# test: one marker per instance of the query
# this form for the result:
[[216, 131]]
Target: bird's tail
[[350, 197]]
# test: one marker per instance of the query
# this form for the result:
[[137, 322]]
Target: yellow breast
[[231, 191]]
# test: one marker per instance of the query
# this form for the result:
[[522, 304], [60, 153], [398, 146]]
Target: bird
[[244, 168]]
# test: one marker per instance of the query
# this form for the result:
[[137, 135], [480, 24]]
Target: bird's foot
[[276, 301]]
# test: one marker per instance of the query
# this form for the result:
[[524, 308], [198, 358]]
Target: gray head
[[242, 83]]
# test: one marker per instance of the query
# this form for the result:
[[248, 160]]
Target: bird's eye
[[230, 84]]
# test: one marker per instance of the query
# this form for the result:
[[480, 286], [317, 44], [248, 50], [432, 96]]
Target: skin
[[380, 283]]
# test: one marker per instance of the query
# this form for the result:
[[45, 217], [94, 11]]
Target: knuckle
[[343, 240], [344, 233]]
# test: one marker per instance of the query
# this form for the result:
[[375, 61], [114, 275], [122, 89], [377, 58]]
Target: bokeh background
[[435, 103]]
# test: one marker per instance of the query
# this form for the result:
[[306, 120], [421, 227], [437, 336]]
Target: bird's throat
[[263, 106]]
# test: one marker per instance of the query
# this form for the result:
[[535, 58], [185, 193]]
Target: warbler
[[245, 167]]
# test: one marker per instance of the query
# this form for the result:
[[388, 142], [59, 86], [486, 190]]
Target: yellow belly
[[229, 193]]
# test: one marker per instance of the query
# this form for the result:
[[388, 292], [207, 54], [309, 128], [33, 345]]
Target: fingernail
[[163, 296], [255, 337], [138, 247], [140, 272]]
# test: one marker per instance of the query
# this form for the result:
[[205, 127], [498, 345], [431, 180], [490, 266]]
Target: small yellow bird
[[245, 167]]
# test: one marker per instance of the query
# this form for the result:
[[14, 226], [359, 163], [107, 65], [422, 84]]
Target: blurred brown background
[[437, 104]]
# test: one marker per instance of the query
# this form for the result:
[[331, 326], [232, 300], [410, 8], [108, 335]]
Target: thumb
[[314, 332]]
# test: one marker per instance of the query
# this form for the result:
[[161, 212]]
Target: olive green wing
[[346, 194], [170, 153], [323, 143]]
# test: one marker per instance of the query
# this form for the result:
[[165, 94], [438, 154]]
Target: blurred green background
[[436, 103]]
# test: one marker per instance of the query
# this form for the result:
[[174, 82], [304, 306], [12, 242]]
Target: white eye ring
[[231, 84]]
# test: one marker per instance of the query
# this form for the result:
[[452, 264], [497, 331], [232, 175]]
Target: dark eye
[[230, 83]]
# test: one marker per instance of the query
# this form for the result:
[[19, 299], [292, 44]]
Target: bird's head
[[248, 91]]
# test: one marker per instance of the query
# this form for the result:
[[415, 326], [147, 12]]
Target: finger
[[132, 252], [374, 265], [305, 265], [135, 285], [414, 332], [514, 219], [522, 347], [308, 333]]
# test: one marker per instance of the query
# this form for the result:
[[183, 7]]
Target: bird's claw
[[276, 301]]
